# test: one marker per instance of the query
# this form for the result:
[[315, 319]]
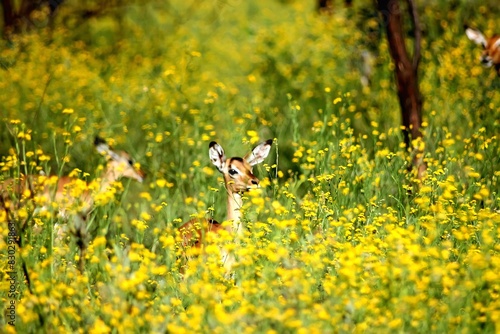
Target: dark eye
[[233, 172], [130, 162]]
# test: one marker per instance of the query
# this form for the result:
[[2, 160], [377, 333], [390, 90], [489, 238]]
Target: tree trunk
[[18, 19], [9, 17], [406, 72], [325, 6]]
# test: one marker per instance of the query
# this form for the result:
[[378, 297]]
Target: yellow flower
[[99, 327], [146, 196], [145, 216], [254, 136]]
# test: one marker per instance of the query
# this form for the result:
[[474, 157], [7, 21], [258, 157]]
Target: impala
[[238, 178], [61, 191], [491, 53], [66, 192]]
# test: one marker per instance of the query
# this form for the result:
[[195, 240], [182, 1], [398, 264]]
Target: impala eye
[[232, 172]]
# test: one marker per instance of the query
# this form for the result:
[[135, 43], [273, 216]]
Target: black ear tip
[[212, 144], [98, 141]]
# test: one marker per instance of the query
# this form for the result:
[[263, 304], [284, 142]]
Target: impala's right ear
[[217, 155], [259, 153], [476, 36], [496, 44]]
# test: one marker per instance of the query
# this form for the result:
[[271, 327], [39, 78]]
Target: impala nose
[[253, 184], [486, 61], [142, 175]]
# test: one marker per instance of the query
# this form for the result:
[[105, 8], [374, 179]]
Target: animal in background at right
[[491, 47]]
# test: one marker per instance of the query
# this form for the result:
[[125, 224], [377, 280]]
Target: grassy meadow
[[342, 237]]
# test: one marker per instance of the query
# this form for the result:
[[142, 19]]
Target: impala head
[[237, 171], [491, 53], [120, 164]]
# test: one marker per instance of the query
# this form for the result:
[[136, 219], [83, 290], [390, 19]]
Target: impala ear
[[259, 153], [476, 36], [496, 44], [103, 148], [217, 156]]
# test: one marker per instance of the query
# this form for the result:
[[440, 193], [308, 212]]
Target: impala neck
[[234, 203], [109, 176]]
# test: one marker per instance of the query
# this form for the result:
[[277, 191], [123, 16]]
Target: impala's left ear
[[217, 156], [259, 153], [476, 36], [103, 148]]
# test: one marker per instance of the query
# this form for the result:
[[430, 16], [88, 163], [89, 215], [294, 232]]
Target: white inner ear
[[476, 36], [496, 44], [105, 150], [217, 156], [258, 154], [115, 156]]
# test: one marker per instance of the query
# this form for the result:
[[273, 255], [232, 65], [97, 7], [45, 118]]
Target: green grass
[[341, 238]]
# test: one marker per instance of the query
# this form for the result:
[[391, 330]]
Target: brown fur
[[493, 52], [194, 231], [491, 47], [238, 178], [119, 165]]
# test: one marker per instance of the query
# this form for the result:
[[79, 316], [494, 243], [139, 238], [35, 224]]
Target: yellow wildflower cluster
[[340, 237]]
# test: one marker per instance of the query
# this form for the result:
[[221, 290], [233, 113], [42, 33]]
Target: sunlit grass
[[342, 236]]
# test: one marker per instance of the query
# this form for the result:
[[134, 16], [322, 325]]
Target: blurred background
[[341, 237], [163, 78]]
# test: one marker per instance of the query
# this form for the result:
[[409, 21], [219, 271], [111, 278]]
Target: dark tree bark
[[9, 16], [406, 71], [15, 20], [327, 5]]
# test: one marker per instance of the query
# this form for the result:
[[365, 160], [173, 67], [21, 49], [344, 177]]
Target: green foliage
[[342, 237]]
